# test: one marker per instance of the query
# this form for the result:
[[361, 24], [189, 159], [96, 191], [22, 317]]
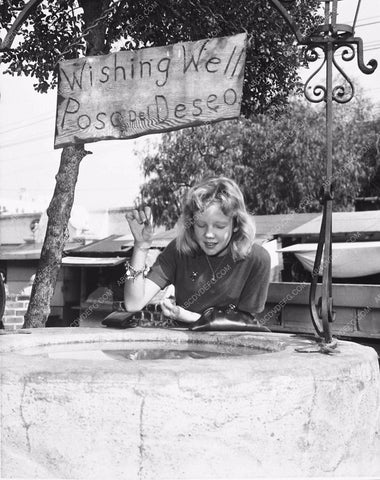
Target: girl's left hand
[[175, 312], [170, 309]]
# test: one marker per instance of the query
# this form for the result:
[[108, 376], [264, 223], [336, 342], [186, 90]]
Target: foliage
[[56, 30], [279, 161]]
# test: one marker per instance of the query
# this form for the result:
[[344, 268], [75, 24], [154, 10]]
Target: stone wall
[[282, 414]]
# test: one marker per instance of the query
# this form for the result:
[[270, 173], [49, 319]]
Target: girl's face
[[213, 230]]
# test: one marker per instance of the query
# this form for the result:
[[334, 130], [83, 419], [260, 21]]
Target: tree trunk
[[60, 206], [56, 234]]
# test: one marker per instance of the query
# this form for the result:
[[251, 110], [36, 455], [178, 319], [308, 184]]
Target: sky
[[111, 176]]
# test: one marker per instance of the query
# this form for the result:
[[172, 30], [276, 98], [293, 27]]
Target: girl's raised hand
[[141, 225]]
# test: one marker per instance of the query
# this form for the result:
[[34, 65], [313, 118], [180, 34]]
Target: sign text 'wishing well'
[[152, 90]]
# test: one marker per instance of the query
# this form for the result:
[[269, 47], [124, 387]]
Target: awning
[[342, 223], [349, 259], [27, 251], [92, 261]]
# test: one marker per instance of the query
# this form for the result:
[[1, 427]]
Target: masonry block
[[13, 322], [13, 319], [16, 304]]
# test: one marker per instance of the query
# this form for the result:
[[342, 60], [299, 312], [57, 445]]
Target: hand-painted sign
[[152, 90]]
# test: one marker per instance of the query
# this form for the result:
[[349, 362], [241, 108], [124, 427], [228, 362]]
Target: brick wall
[[15, 309], [150, 316]]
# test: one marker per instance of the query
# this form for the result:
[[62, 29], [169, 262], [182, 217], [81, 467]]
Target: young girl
[[212, 262]]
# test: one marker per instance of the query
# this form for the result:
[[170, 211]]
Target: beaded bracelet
[[131, 273]]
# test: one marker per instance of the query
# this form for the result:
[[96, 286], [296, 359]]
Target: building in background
[[90, 284]]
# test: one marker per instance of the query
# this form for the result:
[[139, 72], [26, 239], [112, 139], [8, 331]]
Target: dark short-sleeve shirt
[[243, 283]]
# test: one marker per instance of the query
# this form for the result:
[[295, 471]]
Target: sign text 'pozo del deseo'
[[152, 90]]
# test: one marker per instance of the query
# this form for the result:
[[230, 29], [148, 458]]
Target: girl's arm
[[138, 290], [175, 312]]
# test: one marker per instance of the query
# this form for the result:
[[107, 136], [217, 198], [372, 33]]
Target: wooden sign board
[[152, 90]]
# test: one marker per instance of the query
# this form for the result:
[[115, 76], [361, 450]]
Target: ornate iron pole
[[323, 44]]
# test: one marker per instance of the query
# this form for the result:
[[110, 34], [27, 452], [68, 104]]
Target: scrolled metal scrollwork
[[317, 93], [371, 65], [348, 54], [311, 53], [343, 92]]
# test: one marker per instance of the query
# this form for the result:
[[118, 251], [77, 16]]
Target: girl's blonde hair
[[228, 196]]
